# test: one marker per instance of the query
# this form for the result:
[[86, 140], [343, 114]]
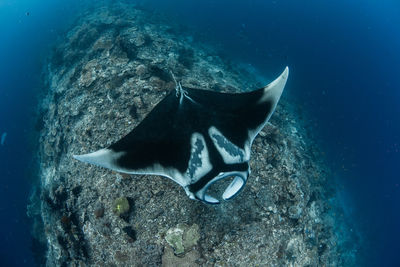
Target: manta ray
[[195, 137]]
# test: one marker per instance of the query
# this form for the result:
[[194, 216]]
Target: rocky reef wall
[[111, 69]]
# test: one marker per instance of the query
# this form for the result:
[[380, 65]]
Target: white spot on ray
[[230, 153], [199, 163]]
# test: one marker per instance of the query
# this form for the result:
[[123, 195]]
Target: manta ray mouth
[[238, 180]]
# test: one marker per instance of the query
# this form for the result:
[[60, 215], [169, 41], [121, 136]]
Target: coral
[[99, 212], [121, 206], [183, 238], [190, 259], [186, 57], [174, 239]]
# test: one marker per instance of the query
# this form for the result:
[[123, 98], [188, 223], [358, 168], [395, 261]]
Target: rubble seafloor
[[101, 80]]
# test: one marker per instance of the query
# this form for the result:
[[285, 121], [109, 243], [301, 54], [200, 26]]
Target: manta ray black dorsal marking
[[195, 137]]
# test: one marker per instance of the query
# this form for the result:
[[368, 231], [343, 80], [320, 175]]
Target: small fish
[[3, 138]]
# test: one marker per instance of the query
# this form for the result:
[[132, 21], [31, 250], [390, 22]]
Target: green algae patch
[[121, 206]]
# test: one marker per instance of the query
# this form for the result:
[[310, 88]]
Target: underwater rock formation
[[109, 72]]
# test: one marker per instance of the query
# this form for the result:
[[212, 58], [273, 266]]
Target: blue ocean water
[[344, 59], [27, 29]]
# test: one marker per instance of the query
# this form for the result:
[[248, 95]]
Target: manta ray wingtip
[[82, 158], [274, 89], [79, 157], [284, 76], [286, 71], [103, 158]]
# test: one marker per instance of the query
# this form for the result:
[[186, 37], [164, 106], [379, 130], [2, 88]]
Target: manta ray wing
[[155, 146], [195, 137]]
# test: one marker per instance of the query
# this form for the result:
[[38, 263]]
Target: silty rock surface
[[111, 69]]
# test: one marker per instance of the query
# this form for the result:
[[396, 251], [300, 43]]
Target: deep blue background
[[24, 43], [345, 66]]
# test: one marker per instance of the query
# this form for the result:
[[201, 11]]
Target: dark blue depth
[[344, 60], [27, 30]]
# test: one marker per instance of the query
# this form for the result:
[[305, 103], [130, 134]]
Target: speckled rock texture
[[103, 78]]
